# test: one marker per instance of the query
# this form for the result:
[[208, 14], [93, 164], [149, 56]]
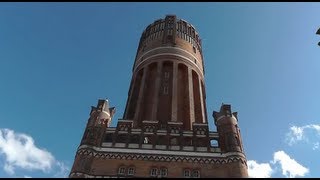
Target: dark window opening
[[108, 138], [122, 138], [134, 139], [188, 142]]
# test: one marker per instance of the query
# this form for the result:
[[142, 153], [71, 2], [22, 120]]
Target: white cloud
[[256, 170], [27, 176], [290, 167], [309, 134], [298, 134], [20, 151], [295, 134]]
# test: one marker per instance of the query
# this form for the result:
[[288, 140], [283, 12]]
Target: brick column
[[133, 81], [202, 102], [191, 107], [156, 94], [174, 92], [140, 98]]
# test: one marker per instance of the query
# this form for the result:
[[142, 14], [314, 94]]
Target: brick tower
[[164, 131]]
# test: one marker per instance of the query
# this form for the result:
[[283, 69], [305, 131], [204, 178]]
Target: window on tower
[[108, 137], [187, 173], [214, 143], [165, 90], [174, 141], [166, 75], [134, 139], [122, 170], [163, 172], [153, 172], [131, 171], [188, 141], [122, 138], [146, 140], [195, 174]]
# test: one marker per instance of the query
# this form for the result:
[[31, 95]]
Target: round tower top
[[170, 18]]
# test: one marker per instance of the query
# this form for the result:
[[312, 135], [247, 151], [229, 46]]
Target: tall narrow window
[[165, 90], [166, 75], [194, 49]]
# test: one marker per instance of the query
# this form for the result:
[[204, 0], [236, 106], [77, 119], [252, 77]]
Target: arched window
[[196, 174], [163, 172], [153, 172], [131, 171], [186, 173], [122, 170]]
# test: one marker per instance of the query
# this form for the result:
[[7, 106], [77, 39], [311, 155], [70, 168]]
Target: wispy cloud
[[315, 146], [295, 134], [62, 170], [256, 170], [20, 151], [300, 133], [290, 167]]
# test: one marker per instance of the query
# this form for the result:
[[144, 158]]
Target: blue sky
[[58, 59]]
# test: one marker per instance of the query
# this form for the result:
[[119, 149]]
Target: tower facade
[[164, 131]]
